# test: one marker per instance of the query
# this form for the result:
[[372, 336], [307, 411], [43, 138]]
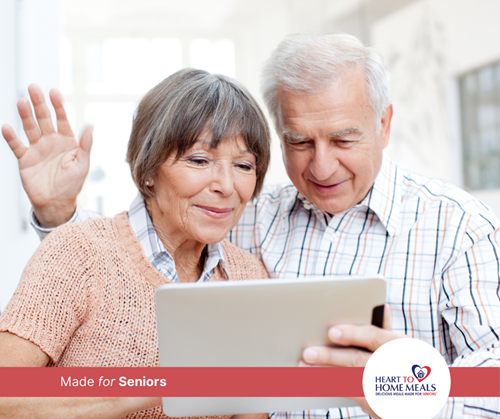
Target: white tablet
[[257, 323]]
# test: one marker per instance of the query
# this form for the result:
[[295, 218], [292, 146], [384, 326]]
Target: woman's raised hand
[[54, 166]]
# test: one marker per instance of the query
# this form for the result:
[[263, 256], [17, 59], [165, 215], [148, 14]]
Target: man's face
[[331, 150]]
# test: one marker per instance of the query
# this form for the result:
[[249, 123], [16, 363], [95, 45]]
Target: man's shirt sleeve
[[470, 308]]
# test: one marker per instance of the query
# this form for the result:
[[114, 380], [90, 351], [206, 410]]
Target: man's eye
[[299, 143], [344, 143]]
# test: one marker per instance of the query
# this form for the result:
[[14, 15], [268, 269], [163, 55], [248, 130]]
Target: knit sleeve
[[241, 264], [50, 301]]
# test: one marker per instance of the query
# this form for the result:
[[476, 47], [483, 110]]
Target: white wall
[[427, 45], [29, 42]]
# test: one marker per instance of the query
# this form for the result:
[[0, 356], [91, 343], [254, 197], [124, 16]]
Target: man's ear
[[385, 125]]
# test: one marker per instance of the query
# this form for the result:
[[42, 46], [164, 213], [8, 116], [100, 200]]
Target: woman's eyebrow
[[202, 141]]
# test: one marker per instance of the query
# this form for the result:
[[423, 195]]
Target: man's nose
[[324, 163], [223, 180]]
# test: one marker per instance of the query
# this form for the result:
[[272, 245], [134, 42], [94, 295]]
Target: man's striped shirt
[[436, 245]]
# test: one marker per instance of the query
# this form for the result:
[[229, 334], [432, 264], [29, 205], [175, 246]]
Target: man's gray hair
[[305, 63]]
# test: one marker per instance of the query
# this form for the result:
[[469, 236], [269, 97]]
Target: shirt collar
[[384, 197], [155, 251]]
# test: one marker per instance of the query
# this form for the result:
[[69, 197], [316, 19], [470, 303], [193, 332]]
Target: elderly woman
[[198, 152]]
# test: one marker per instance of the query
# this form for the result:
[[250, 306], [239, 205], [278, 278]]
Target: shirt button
[[333, 237], [307, 205]]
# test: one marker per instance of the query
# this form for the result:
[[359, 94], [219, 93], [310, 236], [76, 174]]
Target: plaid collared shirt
[[436, 245]]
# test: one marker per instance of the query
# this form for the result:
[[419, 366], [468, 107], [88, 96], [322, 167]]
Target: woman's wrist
[[52, 216]]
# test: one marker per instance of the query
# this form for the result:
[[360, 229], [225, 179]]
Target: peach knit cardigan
[[86, 297]]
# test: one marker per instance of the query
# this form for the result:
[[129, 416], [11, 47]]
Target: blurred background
[[444, 57]]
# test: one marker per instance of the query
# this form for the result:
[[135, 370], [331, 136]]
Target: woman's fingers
[[14, 143], [63, 126], [29, 124], [42, 111], [83, 153]]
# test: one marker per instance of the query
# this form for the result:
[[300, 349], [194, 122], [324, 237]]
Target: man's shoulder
[[277, 194], [438, 192]]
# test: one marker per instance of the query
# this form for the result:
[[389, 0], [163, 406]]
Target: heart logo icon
[[420, 373]]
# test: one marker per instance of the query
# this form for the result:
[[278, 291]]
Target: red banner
[[216, 382]]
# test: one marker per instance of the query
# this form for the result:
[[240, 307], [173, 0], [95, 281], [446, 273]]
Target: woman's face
[[202, 195]]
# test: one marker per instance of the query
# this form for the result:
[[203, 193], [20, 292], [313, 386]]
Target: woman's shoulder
[[241, 264], [81, 240], [97, 228]]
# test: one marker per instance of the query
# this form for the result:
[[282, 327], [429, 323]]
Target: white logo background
[[396, 359]]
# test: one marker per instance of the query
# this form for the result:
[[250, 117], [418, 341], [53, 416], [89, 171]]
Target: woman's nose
[[223, 181]]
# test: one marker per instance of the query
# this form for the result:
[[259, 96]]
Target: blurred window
[[66, 82], [480, 109], [213, 56], [110, 188], [130, 65], [104, 79]]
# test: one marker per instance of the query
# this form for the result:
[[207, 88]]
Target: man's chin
[[329, 205]]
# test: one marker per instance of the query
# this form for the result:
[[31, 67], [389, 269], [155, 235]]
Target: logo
[[419, 373], [395, 386]]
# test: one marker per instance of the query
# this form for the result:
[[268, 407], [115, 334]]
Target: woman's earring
[[147, 182]]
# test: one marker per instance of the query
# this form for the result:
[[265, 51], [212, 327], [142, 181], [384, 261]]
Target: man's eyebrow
[[290, 135], [343, 133]]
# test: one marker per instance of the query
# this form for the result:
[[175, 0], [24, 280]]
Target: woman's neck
[[188, 254]]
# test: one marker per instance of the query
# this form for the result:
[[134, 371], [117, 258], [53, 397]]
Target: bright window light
[[109, 187], [66, 66], [213, 56], [130, 65]]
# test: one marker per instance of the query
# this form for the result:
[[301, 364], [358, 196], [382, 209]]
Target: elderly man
[[350, 210]]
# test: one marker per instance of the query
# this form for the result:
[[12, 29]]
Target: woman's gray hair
[[172, 115], [305, 63]]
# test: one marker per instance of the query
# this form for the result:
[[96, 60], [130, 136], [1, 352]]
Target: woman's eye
[[245, 167], [198, 161]]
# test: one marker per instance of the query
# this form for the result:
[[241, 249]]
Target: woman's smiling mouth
[[215, 212]]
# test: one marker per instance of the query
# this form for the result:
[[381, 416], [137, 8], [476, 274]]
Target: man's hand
[[53, 168], [353, 347]]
